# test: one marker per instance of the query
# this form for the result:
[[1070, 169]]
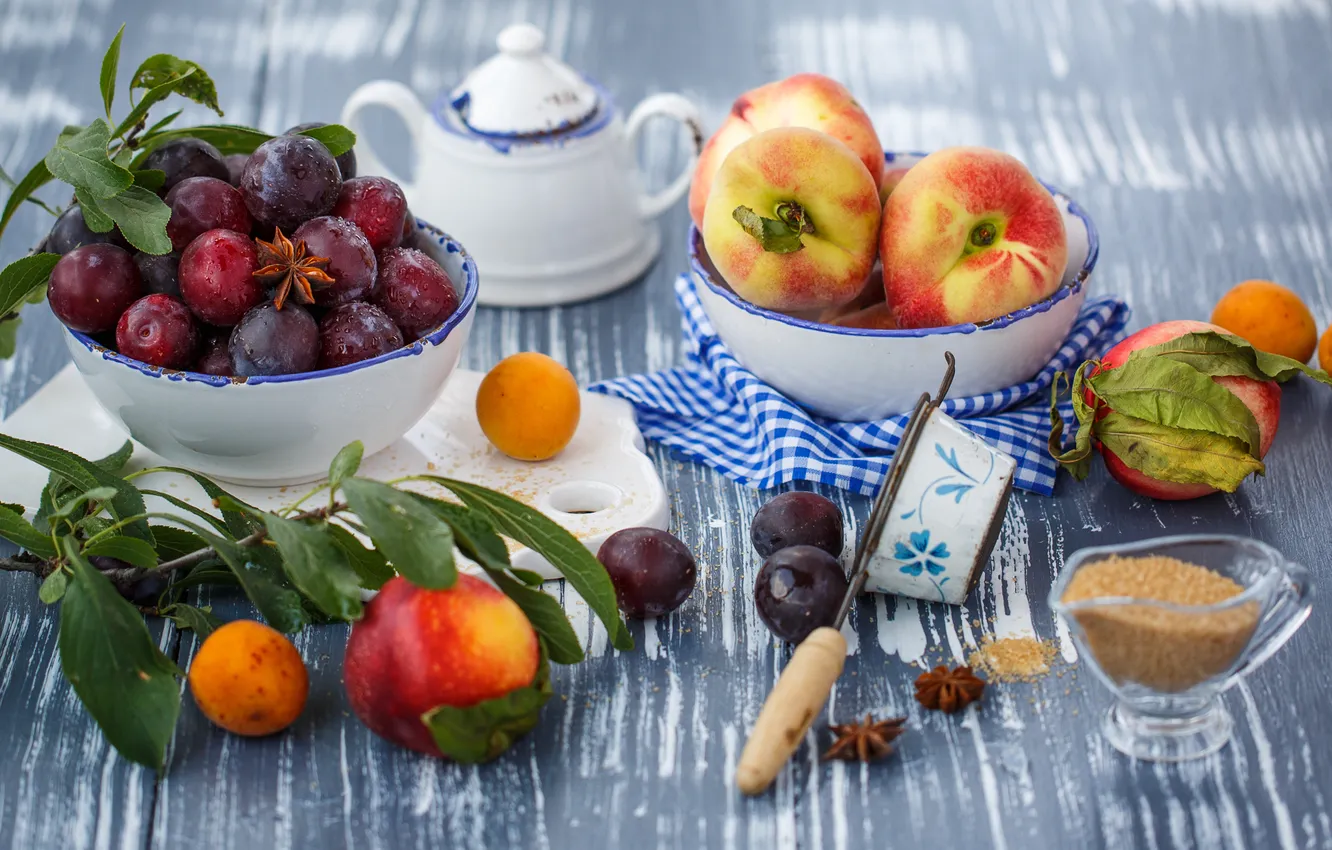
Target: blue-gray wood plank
[[1196, 132]]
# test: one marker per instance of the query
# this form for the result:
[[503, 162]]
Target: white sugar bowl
[[531, 165]]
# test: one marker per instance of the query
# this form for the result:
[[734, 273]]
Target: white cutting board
[[602, 482]]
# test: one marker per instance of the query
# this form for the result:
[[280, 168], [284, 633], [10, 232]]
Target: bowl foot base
[[1152, 737]]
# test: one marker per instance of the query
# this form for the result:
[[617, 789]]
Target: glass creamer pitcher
[[1168, 664]]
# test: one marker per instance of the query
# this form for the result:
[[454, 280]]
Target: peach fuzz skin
[[416, 649], [805, 100], [840, 200], [1263, 398], [933, 272]]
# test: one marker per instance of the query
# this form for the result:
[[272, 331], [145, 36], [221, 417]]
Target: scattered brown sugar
[[1162, 649], [1013, 659]]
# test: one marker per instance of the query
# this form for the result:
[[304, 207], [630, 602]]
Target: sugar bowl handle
[[401, 100], [1290, 607], [682, 110], [795, 701]]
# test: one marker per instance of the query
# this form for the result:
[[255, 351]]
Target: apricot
[[1270, 317], [528, 406], [249, 679], [1325, 351]]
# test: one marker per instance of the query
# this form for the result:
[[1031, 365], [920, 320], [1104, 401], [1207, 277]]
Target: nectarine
[[969, 235]]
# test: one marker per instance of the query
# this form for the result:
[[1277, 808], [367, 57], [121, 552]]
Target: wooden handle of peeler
[[795, 701]]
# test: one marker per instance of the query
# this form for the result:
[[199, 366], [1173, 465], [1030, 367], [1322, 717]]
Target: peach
[[891, 177], [417, 649], [969, 235], [792, 221], [1263, 398], [805, 100]]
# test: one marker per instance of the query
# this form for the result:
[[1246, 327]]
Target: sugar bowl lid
[[522, 90]]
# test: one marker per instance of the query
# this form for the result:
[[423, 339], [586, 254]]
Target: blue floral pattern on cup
[[919, 557], [956, 484]]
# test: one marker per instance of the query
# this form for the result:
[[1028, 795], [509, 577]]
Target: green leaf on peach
[[1176, 454], [1219, 355], [1076, 460], [415, 540], [483, 731], [776, 237]]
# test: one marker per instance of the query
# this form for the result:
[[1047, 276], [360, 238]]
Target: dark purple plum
[[414, 291], [70, 231], [91, 286], [215, 358], [797, 518], [290, 180], [377, 206], [351, 260], [346, 161], [798, 590], [159, 330], [201, 204], [236, 167], [350, 333], [138, 586], [269, 341], [653, 572], [159, 272], [185, 158]]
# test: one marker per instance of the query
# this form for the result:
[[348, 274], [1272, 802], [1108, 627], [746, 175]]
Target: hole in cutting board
[[583, 497]]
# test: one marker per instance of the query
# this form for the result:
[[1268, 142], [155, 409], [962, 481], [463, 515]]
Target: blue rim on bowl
[[465, 304], [696, 252]]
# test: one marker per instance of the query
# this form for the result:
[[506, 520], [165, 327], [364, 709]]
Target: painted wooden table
[[1198, 134]]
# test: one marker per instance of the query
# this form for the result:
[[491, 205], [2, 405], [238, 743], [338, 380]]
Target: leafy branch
[[92, 541]]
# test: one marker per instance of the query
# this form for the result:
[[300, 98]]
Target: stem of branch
[[24, 563], [196, 558]]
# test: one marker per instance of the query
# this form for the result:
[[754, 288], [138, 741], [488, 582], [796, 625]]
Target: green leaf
[[17, 530], [76, 504], [199, 620], [1076, 460], [129, 549], [240, 517], [337, 138], [151, 179], [21, 277], [371, 567], [227, 138], [53, 587], [9, 336], [126, 683], [164, 123], [193, 510], [775, 236], [37, 177], [258, 569], [85, 475], [110, 64], [1174, 394], [1218, 355], [317, 566], [472, 532], [1178, 455], [543, 535], [546, 615], [527, 577], [483, 731], [115, 462], [173, 543], [151, 98], [191, 80], [345, 463], [416, 541], [81, 161], [142, 217], [93, 216]]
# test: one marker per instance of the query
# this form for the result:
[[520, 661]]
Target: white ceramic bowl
[[855, 374], [282, 429]]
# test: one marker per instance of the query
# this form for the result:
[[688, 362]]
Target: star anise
[[948, 690], [286, 266], [866, 741]]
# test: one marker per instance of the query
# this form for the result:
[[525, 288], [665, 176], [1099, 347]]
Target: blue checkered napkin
[[714, 411]]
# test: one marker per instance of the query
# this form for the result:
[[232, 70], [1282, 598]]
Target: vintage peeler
[[929, 535]]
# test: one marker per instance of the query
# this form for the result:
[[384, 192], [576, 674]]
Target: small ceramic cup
[[946, 517]]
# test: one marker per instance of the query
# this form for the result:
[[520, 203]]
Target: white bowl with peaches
[[841, 284]]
